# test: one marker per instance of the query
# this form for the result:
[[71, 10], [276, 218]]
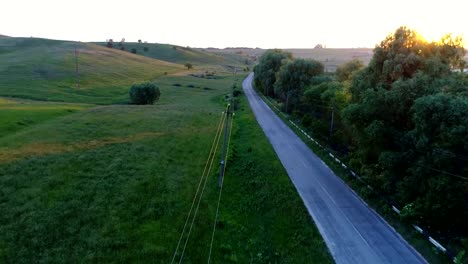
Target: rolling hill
[[182, 55], [44, 69]]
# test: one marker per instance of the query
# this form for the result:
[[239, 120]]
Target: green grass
[[179, 55], [17, 115], [42, 69], [114, 183], [262, 218]]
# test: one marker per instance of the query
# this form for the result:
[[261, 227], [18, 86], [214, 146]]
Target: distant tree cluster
[[401, 121], [121, 45]]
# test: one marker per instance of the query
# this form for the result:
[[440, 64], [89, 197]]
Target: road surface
[[353, 232]]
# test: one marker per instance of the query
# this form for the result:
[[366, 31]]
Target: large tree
[[265, 72], [293, 77]]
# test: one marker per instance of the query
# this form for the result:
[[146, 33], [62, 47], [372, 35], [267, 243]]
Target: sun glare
[[431, 35]]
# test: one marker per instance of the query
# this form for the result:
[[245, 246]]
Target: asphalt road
[[352, 231]]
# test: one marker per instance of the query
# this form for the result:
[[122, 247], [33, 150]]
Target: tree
[[144, 93], [188, 65], [440, 140], [265, 72], [293, 77], [139, 41], [347, 69], [110, 43]]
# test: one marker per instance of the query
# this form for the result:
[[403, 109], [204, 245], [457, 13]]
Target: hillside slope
[[181, 55], [43, 69]]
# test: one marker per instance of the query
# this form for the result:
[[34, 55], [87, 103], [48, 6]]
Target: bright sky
[[235, 23]]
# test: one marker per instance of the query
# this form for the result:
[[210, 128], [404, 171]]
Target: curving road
[[353, 232]]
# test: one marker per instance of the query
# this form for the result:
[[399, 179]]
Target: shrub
[[134, 51], [144, 93], [236, 92]]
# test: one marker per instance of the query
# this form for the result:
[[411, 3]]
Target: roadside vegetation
[[400, 123], [262, 219]]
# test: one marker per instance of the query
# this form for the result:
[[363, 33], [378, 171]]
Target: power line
[[218, 130], [220, 191], [448, 153], [199, 200], [444, 172]]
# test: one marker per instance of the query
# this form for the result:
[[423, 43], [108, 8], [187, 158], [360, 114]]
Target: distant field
[[331, 58], [44, 69]]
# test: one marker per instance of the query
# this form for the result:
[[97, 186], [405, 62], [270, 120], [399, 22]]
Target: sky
[[235, 23]]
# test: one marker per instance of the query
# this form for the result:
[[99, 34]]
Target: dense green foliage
[[402, 123], [293, 77], [144, 93], [408, 119], [345, 71], [265, 71]]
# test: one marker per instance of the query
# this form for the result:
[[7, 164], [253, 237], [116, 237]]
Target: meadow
[[42, 69], [86, 177]]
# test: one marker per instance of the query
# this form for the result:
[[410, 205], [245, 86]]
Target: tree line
[[401, 122]]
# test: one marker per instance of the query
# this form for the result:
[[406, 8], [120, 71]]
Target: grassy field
[[182, 55], [332, 58], [43, 69], [81, 182], [17, 114]]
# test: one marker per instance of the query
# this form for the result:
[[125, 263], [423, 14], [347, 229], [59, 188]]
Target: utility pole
[[331, 123], [223, 157], [77, 72]]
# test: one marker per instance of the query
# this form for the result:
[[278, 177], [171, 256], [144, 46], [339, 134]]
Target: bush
[[134, 51], [144, 93], [236, 92]]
